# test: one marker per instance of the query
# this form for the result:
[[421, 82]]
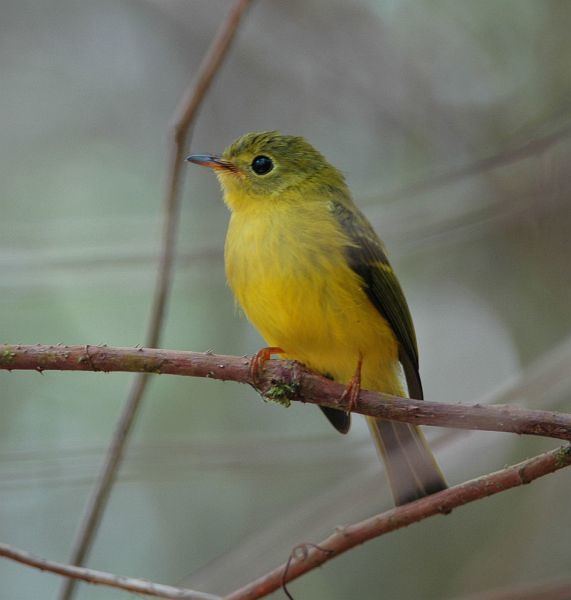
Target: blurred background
[[452, 123]]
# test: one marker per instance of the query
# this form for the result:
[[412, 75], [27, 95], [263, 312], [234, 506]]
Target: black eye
[[262, 165]]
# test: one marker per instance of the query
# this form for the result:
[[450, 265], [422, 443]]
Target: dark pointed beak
[[212, 161]]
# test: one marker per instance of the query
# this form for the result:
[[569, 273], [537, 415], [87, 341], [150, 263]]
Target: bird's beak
[[212, 161]]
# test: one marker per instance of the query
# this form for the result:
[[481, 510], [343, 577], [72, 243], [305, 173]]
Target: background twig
[[284, 381], [516, 152], [102, 578], [180, 131]]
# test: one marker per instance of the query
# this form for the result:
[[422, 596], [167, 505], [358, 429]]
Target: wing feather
[[367, 257]]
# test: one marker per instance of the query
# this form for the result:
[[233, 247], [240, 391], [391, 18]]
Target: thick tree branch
[[184, 117], [307, 557], [102, 578], [284, 381]]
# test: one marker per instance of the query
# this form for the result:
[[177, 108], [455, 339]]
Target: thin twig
[[287, 381], [510, 155], [180, 131], [129, 584], [346, 538]]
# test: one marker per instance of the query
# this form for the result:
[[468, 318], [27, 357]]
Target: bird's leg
[[258, 360], [353, 388]]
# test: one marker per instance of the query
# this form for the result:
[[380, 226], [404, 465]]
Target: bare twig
[[285, 381], [102, 578], [180, 131], [443, 502], [509, 156]]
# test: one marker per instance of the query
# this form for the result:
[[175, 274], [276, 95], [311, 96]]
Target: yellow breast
[[288, 271]]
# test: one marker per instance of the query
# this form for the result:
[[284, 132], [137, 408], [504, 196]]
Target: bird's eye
[[262, 165]]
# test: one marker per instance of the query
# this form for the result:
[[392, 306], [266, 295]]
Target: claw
[[353, 388], [259, 359]]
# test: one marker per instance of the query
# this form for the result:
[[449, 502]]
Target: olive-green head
[[269, 167]]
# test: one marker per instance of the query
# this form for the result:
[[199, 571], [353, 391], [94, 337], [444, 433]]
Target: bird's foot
[[353, 389], [259, 359]]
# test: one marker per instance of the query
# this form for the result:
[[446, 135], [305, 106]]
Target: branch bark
[[129, 584], [286, 381], [185, 115], [307, 557]]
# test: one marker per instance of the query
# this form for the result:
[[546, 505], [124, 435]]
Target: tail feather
[[412, 470]]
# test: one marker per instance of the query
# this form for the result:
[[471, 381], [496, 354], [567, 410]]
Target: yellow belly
[[296, 288]]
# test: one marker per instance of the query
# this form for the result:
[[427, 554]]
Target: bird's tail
[[411, 467]]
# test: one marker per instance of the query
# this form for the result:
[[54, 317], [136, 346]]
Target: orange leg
[[258, 360], [353, 388]]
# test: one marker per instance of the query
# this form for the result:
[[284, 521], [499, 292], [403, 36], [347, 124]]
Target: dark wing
[[367, 257]]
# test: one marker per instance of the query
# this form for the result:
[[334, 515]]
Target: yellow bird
[[313, 277]]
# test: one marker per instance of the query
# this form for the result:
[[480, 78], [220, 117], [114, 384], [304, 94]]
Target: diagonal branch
[[286, 381], [307, 557], [508, 156], [184, 117], [121, 582]]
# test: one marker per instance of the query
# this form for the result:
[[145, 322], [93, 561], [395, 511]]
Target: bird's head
[[268, 167]]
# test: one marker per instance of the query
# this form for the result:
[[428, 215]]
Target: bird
[[313, 277]]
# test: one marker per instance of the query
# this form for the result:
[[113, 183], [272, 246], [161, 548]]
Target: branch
[[184, 117], [286, 381], [307, 557], [508, 156], [102, 578]]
